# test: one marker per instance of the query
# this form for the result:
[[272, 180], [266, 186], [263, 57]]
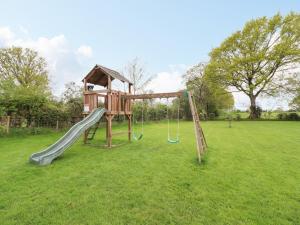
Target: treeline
[[25, 94], [27, 99]]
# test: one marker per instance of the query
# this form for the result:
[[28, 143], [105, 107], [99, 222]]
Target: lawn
[[250, 175]]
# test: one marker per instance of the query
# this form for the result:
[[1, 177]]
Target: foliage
[[210, 97], [295, 103], [152, 112], [256, 59], [25, 92], [73, 99], [24, 82], [288, 116]]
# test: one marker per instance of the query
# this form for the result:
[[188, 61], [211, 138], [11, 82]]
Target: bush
[[238, 116], [293, 116], [288, 116], [281, 116], [212, 116]]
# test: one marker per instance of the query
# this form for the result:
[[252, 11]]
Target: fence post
[[56, 124], [7, 124]]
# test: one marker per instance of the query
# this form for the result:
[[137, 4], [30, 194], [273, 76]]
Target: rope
[[135, 136], [178, 130], [168, 119], [143, 117]]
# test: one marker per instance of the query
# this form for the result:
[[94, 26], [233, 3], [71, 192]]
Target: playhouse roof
[[99, 75]]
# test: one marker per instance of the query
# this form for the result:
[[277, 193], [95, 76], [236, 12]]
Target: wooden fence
[[7, 122]]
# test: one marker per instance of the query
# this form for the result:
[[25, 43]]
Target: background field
[[250, 175]]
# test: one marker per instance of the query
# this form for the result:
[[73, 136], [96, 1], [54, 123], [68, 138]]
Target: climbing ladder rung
[[92, 131], [200, 139]]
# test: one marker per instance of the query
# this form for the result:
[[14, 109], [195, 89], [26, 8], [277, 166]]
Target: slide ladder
[[92, 131], [200, 138]]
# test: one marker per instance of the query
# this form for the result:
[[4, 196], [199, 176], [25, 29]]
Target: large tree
[[23, 69], [210, 97], [256, 59], [24, 81], [294, 89]]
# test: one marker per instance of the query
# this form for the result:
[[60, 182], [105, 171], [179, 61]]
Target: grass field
[[250, 175]]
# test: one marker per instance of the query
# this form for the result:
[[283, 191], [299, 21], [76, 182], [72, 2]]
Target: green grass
[[250, 175]]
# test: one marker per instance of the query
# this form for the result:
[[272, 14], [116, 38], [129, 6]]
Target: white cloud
[[85, 51], [24, 30], [241, 101], [169, 81], [6, 35], [63, 63]]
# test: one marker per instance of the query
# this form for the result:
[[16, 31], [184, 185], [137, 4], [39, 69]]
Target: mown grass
[[250, 175]]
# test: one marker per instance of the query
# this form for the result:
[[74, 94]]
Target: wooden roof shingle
[[99, 76]]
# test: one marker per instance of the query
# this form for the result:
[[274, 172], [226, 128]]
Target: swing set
[[120, 103], [139, 136]]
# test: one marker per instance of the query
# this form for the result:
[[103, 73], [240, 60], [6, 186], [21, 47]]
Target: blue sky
[[167, 36]]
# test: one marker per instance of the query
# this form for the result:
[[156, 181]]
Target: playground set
[[115, 103]]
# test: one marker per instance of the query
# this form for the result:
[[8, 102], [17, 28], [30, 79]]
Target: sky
[[167, 36]]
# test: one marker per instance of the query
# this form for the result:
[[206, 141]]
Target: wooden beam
[[156, 95], [118, 113], [119, 133], [103, 91], [109, 83], [96, 91], [84, 85], [197, 128]]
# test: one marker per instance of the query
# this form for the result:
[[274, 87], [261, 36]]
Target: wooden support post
[[119, 102], [109, 130], [129, 100], [129, 127], [84, 85], [109, 83], [106, 129], [109, 94], [198, 132], [7, 124], [85, 134]]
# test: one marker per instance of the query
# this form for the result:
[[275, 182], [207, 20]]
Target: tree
[[73, 100], [136, 73], [293, 88], [24, 81], [23, 69], [255, 60], [210, 97], [295, 103]]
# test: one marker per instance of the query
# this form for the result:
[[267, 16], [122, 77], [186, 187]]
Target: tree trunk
[[254, 114]]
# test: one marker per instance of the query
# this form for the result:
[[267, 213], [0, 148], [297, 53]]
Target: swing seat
[[137, 137], [173, 141]]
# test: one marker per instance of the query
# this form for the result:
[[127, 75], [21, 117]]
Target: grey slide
[[46, 156]]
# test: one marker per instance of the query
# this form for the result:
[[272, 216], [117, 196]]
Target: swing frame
[[120, 103]]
